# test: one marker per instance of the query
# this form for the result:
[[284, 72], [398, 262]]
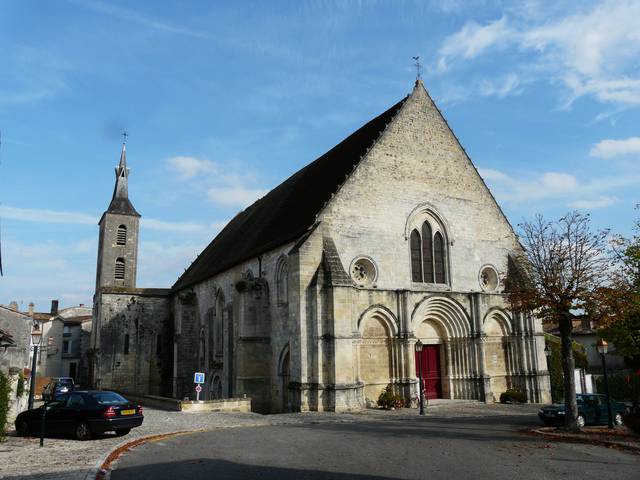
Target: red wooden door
[[430, 363]]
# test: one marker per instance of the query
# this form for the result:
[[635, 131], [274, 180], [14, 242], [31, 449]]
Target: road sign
[[198, 388], [198, 377]]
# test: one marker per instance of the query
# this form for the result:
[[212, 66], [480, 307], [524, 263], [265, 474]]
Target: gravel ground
[[67, 459]]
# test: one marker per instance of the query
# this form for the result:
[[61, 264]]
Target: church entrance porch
[[428, 362]]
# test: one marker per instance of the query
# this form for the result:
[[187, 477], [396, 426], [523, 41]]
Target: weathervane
[[418, 67], [124, 136]]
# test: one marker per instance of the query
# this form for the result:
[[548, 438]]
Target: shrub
[[389, 399], [5, 389], [513, 395]]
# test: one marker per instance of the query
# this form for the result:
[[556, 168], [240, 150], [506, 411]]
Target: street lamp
[[603, 346], [36, 337], [419, 352], [547, 354]]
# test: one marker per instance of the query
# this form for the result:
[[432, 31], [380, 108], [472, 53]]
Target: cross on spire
[[418, 67], [124, 136]]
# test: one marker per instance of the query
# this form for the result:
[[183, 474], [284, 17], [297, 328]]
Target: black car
[[592, 410], [57, 387], [83, 414]]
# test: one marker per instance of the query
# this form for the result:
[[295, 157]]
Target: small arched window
[[428, 253], [416, 257], [119, 274], [121, 237], [438, 257], [282, 279]]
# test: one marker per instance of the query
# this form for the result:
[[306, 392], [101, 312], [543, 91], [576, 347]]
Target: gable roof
[[288, 210]]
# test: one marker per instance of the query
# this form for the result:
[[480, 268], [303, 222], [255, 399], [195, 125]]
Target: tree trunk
[[568, 367]]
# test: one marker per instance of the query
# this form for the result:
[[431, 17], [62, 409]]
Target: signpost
[[198, 378]]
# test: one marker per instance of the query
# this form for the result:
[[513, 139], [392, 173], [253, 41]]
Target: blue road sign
[[198, 377]]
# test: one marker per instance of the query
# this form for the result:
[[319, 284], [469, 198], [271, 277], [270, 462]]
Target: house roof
[[288, 210]]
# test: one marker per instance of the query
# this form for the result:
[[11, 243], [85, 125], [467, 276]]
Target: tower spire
[[120, 202]]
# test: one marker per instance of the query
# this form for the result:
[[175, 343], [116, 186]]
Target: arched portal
[[449, 359], [431, 362], [376, 352], [496, 328]]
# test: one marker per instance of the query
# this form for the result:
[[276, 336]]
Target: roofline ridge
[[362, 158], [495, 202]]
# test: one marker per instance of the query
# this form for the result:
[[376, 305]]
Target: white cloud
[[189, 167], [54, 216], [599, 202], [593, 52], [234, 196], [614, 148], [473, 40], [47, 216], [501, 88], [586, 193], [133, 16]]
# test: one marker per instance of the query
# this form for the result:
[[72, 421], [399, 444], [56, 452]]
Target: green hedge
[[5, 390], [622, 387], [555, 364]]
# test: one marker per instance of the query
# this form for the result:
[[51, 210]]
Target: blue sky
[[224, 100]]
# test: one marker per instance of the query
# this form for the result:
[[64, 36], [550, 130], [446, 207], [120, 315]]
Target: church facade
[[313, 298]]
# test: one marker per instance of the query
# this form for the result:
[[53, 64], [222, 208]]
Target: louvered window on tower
[[121, 238], [120, 269]]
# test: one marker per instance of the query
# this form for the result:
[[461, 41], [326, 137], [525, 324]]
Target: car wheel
[[617, 419], [22, 429], [83, 432], [121, 432], [580, 421]]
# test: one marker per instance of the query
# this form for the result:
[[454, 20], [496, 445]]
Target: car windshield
[[108, 398], [67, 381]]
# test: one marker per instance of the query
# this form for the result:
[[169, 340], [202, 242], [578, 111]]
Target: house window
[[119, 269], [66, 346], [126, 344], [66, 330], [428, 255], [121, 237]]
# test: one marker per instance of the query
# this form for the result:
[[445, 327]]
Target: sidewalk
[[619, 437]]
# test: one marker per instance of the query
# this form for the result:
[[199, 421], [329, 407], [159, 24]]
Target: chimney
[[30, 311], [13, 305], [81, 305], [54, 307]]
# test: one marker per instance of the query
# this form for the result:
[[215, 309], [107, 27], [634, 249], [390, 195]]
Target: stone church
[[313, 297]]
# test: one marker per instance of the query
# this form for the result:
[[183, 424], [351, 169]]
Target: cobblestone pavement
[[68, 459]]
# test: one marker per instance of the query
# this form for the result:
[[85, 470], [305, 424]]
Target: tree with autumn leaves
[[620, 301], [560, 273]]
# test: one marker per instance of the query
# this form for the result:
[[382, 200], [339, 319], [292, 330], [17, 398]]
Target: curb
[[101, 470], [583, 440]]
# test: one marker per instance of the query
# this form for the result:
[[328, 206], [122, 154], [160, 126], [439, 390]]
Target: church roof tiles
[[287, 211]]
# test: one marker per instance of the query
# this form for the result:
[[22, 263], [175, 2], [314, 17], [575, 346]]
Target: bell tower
[[118, 238]]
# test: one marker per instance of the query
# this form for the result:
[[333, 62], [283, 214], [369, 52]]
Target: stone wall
[[128, 325], [234, 328]]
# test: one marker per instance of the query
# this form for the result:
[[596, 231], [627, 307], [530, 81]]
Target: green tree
[[620, 319]]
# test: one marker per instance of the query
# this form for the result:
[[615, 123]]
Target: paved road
[[433, 447]]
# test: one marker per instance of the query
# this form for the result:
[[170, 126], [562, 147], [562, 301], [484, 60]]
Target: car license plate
[[127, 412]]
